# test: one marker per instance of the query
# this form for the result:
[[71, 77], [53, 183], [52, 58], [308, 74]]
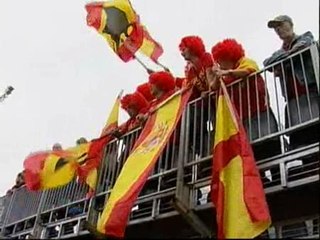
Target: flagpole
[[149, 71], [161, 65]]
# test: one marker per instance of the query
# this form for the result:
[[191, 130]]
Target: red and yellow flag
[[52, 169], [139, 165], [88, 169], [119, 24], [237, 190]]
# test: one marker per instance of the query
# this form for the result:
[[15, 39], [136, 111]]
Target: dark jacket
[[300, 42]]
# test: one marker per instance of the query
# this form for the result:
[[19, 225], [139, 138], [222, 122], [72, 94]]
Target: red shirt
[[255, 86], [196, 75]]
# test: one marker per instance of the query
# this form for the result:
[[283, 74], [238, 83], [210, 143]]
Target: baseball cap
[[282, 18]]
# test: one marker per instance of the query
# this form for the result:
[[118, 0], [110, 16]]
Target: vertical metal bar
[[314, 51], [258, 105], [194, 130], [201, 127], [248, 118], [187, 128], [182, 151], [295, 88], [36, 231], [285, 92], [210, 121], [9, 210], [267, 101], [277, 103], [240, 101], [172, 161], [107, 173], [306, 85]]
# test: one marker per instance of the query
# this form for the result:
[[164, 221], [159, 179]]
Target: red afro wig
[[228, 49], [144, 89], [134, 100], [162, 80], [179, 82], [194, 44]]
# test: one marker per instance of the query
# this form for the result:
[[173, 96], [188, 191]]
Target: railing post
[[181, 199], [314, 51], [37, 229], [2, 234]]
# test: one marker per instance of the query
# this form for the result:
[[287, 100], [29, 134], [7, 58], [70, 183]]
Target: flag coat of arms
[[139, 165]]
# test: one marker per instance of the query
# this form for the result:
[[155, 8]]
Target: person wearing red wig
[[134, 104], [198, 73], [249, 96], [199, 64], [162, 86], [145, 90]]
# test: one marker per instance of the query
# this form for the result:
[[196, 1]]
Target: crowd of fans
[[229, 63]]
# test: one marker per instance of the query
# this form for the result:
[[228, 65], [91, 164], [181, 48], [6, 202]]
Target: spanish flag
[[119, 24], [139, 165], [88, 167], [237, 190], [52, 169]]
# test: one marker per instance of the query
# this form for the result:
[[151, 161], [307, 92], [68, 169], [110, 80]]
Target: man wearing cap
[[297, 79]]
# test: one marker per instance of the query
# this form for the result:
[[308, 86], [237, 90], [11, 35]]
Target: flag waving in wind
[[237, 190], [87, 170], [52, 169], [118, 23], [139, 165]]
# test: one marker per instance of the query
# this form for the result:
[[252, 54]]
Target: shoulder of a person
[[306, 34]]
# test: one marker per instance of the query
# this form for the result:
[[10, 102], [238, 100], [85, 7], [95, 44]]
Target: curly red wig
[[228, 49], [179, 82], [144, 89], [162, 80], [134, 100], [194, 44]]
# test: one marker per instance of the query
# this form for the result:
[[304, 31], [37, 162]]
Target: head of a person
[[191, 47], [134, 103], [20, 179], [161, 83], [227, 53], [145, 90], [283, 26], [57, 147], [81, 140]]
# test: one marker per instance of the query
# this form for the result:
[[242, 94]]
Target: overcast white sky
[[66, 77]]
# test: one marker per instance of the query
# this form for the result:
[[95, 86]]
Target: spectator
[[20, 182], [162, 86], [57, 147], [198, 69], [81, 140], [198, 63], [297, 80], [254, 110], [134, 104], [145, 90]]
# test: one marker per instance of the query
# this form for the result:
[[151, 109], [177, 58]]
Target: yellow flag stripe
[[237, 222], [225, 121], [147, 47], [142, 156]]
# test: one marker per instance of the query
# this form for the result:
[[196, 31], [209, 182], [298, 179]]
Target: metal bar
[[295, 88], [191, 218], [306, 85]]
